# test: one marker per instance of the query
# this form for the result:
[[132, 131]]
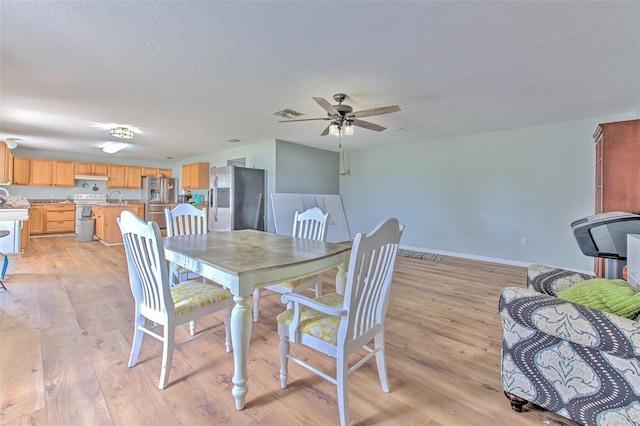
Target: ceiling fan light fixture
[[334, 129], [113, 147], [348, 128], [122, 132]]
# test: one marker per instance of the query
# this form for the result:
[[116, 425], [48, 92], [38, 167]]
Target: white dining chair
[[184, 219], [312, 225], [160, 303], [339, 325]]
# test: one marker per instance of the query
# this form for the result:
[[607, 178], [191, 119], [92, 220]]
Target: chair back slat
[[311, 224], [185, 219], [146, 262], [369, 279]]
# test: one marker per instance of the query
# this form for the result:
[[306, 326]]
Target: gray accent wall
[[478, 196], [305, 170]]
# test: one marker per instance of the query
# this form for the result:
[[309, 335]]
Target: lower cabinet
[[36, 220], [107, 229], [60, 219], [54, 219]]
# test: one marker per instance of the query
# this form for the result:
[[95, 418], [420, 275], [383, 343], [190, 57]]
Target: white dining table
[[245, 260]]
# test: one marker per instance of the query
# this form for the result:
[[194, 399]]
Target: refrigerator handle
[[214, 198]]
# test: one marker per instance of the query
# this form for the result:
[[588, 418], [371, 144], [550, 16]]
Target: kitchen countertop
[[15, 202]]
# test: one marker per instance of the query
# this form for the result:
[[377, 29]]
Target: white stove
[[82, 200]]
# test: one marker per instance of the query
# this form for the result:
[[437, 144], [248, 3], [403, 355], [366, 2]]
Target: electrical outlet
[[523, 241]]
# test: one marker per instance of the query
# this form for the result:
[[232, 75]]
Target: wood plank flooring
[[66, 324]]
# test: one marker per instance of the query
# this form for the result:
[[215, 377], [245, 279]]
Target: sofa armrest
[[568, 321], [550, 280]]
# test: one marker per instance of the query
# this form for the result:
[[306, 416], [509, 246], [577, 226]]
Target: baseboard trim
[[501, 261]]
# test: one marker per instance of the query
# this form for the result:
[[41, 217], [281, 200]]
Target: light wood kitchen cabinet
[[62, 173], [25, 233], [43, 172], [6, 165], [40, 172], [151, 171], [133, 177], [36, 220], [91, 169], [60, 219], [116, 176], [21, 170], [124, 177], [107, 229], [195, 176]]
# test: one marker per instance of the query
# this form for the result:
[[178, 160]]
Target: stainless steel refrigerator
[[236, 198], [158, 194]]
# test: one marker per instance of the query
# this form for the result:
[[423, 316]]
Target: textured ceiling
[[193, 75]]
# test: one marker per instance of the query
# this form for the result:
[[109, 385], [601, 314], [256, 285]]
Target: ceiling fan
[[343, 116]]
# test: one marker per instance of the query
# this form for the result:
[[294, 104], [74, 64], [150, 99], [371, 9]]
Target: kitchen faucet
[[119, 196], [6, 193]]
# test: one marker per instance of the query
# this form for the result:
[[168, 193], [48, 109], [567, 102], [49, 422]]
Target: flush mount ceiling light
[[11, 143], [122, 132], [113, 147]]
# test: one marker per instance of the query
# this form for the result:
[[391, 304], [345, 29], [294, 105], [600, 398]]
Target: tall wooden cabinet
[[617, 170], [618, 166]]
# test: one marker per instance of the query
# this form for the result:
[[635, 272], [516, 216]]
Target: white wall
[[476, 196]]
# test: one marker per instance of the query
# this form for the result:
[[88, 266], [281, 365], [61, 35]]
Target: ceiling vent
[[288, 113]]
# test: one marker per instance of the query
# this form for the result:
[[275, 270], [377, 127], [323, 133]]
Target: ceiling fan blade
[[304, 119], [326, 106], [375, 111], [367, 125], [326, 131]]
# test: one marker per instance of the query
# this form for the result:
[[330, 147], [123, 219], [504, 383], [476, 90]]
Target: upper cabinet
[[152, 171], [62, 173], [92, 169], [6, 165], [21, 170], [47, 172], [43, 172], [195, 176], [124, 177]]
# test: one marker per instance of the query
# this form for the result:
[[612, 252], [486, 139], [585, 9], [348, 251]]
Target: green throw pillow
[[613, 296]]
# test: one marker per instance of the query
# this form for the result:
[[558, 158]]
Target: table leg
[[240, 335]]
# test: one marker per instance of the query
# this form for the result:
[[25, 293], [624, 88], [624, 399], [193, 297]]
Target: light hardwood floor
[[66, 324]]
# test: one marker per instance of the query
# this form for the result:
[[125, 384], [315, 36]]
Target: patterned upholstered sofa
[[581, 363]]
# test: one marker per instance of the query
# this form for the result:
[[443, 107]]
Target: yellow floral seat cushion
[[297, 283], [315, 323], [193, 294]]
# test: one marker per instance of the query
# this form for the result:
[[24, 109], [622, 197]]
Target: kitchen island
[[105, 215]]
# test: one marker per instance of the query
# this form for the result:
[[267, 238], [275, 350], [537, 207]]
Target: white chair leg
[[256, 305], [381, 361], [284, 359], [341, 379], [167, 354], [192, 328], [137, 340], [227, 327]]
